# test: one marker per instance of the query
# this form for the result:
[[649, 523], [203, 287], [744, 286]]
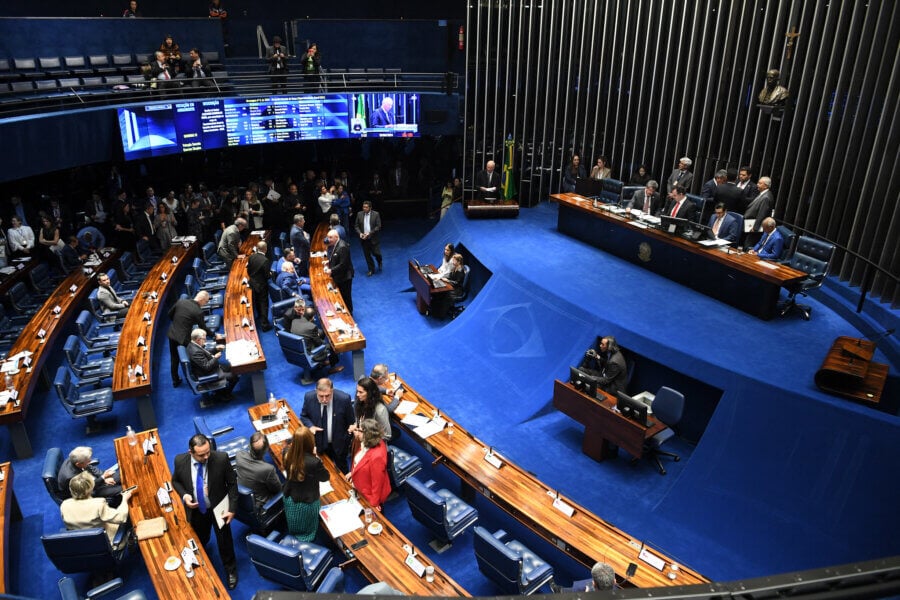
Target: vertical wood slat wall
[[653, 80]]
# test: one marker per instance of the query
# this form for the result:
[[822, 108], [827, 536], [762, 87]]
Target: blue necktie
[[201, 499]]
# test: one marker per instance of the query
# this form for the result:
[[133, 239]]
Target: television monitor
[[682, 227], [631, 408], [384, 114], [583, 382], [165, 128]]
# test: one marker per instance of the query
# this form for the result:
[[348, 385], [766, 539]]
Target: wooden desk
[[347, 337], [9, 511], [135, 327], [849, 372], [7, 281], [491, 210], [603, 427], [69, 303], [741, 280], [149, 473], [235, 311], [382, 559], [424, 291], [584, 536]]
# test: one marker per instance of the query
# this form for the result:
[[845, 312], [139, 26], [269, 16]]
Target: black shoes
[[232, 581], [176, 382]]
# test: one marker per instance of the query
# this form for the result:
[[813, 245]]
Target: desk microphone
[[883, 335]]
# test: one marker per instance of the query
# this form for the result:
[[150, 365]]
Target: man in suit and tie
[[709, 188], [646, 200], [745, 184], [300, 243], [185, 315], [305, 326], [760, 207], [724, 225], [679, 205], [383, 116], [771, 245], [729, 194], [143, 226], [258, 276], [608, 365], [230, 242], [340, 267], [329, 414], [203, 479], [487, 182], [110, 301], [681, 175], [161, 73], [204, 363], [255, 473], [368, 227]]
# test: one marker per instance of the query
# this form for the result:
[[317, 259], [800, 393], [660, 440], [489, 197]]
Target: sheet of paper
[[716, 242], [219, 512], [406, 407], [341, 517], [767, 264], [430, 428], [325, 488], [414, 420], [282, 435]]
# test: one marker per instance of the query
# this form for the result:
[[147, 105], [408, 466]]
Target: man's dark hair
[[198, 439], [256, 451], [721, 205]]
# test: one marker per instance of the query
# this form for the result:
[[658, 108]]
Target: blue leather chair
[[813, 257], [212, 261], [268, 517], [458, 303], [216, 299], [82, 403], [207, 281], [11, 326], [275, 293], [67, 590], [213, 320], [612, 190], [89, 369], [276, 311], [124, 290], [704, 208], [42, 280], [401, 466], [441, 511], [52, 462], [230, 446], [201, 386], [144, 256], [96, 336], [22, 301], [101, 314], [628, 193], [668, 406], [84, 550], [512, 566], [130, 269], [294, 564], [297, 353]]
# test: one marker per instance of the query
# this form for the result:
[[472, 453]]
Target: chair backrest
[[668, 406], [62, 383], [790, 239], [427, 507], [40, 277], [294, 348], [813, 257], [276, 562], [740, 221], [72, 350], [74, 61], [18, 296], [50, 473], [190, 284], [80, 550], [629, 190], [465, 283], [612, 190], [700, 202], [275, 293], [496, 561], [209, 251]]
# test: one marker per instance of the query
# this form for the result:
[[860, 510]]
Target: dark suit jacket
[[143, 227], [614, 375], [339, 262], [709, 189], [374, 224], [687, 211], [760, 208], [684, 179], [485, 179], [342, 417], [729, 229], [640, 196], [69, 258], [258, 273], [307, 329], [300, 243], [202, 361], [186, 315], [732, 196], [258, 475], [380, 118], [220, 480]]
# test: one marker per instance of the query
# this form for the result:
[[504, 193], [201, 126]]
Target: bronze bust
[[773, 93]]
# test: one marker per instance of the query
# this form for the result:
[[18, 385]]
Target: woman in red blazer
[[369, 472]]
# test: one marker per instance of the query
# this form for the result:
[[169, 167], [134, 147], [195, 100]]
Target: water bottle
[[9, 383], [132, 438], [273, 404], [130, 374], [285, 419]]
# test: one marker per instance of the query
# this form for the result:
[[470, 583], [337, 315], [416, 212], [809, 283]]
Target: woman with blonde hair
[[83, 511]]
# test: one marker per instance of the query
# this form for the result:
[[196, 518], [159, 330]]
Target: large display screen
[[173, 127]]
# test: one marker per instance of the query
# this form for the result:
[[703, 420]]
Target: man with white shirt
[[745, 185], [20, 238], [368, 227]]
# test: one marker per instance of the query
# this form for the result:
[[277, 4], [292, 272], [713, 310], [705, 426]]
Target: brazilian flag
[[509, 183], [361, 109]]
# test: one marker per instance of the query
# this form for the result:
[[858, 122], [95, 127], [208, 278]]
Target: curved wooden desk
[[584, 536], [23, 267], [137, 326], [382, 559], [342, 331], [149, 473], [9, 511], [68, 297], [242, 347]]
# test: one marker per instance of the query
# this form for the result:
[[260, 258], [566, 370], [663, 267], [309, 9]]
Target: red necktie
[[675, 208]]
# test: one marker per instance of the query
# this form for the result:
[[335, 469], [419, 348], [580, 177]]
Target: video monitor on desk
[[583, 382], [682, 227], [631, 408]]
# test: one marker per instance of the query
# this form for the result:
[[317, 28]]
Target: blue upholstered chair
[[96, 336], [269, 516], [298, 353], [813, 257], [212, 320], [124, 290], [201, 386], [42, 280], [276, 310], [212, 261], [130, 269], [22, 301], [207, 281], [668, 406], [401, 466], [294, 564], [84, 550], [11, 326], [52, 462], [101, 314], [89, 369], [81, 403], [612, 190], [790, 240], [67, 590], [441, 511], [512, 566], [216, 299], [459, 302], [628, 192], [275, 293], [230, 446], [144, 255]]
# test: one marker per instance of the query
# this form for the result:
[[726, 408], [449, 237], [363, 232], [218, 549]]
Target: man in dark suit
[[608, 365], [681, 175], [186, 315], [368, 227], [709, 188], [198, 71], [143, 226], [487, 182], [730, 195], [745, 185], [300, 244], [258, 275], [761, 206], [383, 116], [340, 267], [203, 479], [306, 328], [724, 225], [329, 413], [255, 473], [679, 205], [647, 199], [230, 242], [161, 73], [204, 363]]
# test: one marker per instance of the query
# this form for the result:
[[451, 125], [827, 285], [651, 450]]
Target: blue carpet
[[783, 478]]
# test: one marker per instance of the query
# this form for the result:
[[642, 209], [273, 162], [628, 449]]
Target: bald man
[[487, 182]]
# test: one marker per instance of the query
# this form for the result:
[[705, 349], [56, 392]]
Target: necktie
[[675, 208], [646, 204], [716, 227], [201, 498], [325, 424]]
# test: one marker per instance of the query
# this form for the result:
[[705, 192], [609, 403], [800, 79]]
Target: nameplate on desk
[[562, 507], [188, 557], [74, 288], [42, 333], [20, 266], [154, 295], [243, 299], [147, 317], [141, 341], [139, 371], [148, 445], [245, 322], [174, 260], [415, 564], [163, 276], [244, 281], [163, 496], [493, 460], [652, 559], [57, 310]]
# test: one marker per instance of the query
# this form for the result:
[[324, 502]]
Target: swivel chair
[[441, 511], [294, 564], [813, 257], [202, 386], [297, 352], [82, 403], [67, 590], [401, 466], [89, 369], [230, 446], [263, 519], [84, 550], [511, 565], [50, 474], [668, 406]]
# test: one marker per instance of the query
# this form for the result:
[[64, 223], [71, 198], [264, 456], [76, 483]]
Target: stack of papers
[[715, 242], [406, 407], [341, 517], [241, 350], [276, 437]]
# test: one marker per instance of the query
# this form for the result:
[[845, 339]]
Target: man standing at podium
[[487, 182]]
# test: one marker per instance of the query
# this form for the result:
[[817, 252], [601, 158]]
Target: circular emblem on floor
[[644, 252]]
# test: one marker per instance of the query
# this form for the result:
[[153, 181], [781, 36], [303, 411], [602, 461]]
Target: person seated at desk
[[106, 484], [679, 206], [369, 472], [83, 511], [446, 264], [369, 405], [723, 225], [573, 172], [306, 328], [442, 303], [288, 282], [603, 577], [69, 256], [602, 169], [203, 362], [109, 299], [771, 245], [255, 473], [90, 239], [304, 471], [380, 374], [608, 366], [646, 200]]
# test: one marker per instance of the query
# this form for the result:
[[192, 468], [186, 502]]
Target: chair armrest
[[109, 586], [332, 583], [274, 501], [273, 536], [499, 535], [318, 349], [208, 378], [88, 367], [123, 530], [430, 483], [221, 430]]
